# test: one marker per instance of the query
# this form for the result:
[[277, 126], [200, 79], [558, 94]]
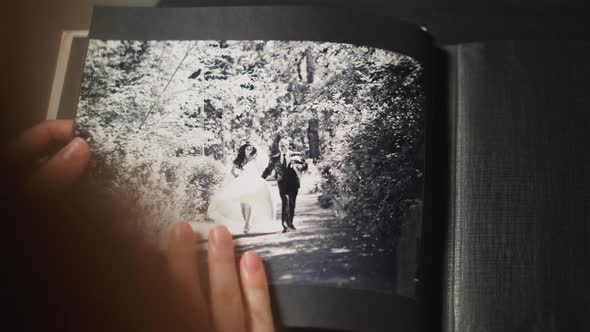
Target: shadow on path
[[324, 251]]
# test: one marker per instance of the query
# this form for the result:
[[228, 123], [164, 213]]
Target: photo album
[[319, 136], [303, 130]]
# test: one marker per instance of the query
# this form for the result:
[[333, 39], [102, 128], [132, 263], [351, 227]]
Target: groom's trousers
[[288, 201]]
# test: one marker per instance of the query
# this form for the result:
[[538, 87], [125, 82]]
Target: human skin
[[44, 164]]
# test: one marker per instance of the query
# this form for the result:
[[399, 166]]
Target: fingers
[[62, 170], [182, 264], [232, 309], [226, 299], [40, 140], [256, 295]]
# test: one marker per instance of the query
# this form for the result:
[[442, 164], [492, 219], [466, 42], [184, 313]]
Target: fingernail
[[183, 232], [73, 148], [220, 237], [252, 262]]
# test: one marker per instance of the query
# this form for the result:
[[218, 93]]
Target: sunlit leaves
[[170, 114]]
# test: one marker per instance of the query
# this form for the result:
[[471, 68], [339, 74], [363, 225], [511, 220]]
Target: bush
[[205, 176], [372, 174], [329, 194], [166, 192]]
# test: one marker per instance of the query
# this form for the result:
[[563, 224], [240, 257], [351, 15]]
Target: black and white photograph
[[311, 153]]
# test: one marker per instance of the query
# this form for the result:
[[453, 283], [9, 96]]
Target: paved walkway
[[324, 251]]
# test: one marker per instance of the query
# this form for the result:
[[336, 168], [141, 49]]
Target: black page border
[[302, 306], [262, 23]]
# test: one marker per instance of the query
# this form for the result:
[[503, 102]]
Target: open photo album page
[[311, 153]]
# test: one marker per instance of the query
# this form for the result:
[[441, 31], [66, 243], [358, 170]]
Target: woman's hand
[[47, 159], [235, 171], [127, 274], [237, 301]]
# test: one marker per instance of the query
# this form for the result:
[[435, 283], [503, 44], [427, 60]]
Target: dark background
[[461, 21], [520, 198], [536, 270]]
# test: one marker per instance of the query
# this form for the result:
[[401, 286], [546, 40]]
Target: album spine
[[450, 269]]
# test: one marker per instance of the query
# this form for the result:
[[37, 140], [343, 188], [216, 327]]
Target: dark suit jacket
[[287, 178]]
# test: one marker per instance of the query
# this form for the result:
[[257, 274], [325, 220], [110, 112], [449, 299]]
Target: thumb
[[62, 170]]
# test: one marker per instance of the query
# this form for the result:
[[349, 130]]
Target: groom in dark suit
[[288, 166]]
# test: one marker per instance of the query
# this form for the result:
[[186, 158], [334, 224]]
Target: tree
[[168, 115]]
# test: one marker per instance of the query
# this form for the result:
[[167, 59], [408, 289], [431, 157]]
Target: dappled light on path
[[325, 251]]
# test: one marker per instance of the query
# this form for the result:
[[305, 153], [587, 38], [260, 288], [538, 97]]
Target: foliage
[[172, 190], [167, 117], [372, 173]]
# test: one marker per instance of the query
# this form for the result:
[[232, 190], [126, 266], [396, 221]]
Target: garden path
[[323, 251]]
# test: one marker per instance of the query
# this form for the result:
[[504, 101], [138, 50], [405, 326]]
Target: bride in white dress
[[244, 202]]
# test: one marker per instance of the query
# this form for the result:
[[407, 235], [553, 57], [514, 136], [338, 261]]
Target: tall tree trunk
[[310, 65], [313, 137]]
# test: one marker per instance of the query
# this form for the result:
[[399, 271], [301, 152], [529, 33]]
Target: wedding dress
[[247, 188]]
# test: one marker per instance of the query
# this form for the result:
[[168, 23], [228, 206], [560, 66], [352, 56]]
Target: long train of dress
[[248, 188]]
